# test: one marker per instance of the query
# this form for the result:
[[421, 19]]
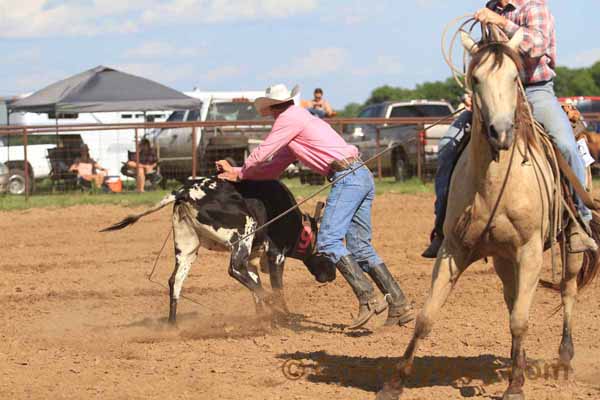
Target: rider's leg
[[447, 153], [548, 112]]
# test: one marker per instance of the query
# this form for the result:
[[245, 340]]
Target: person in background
[[577, 122], [298, 135], [318, 106], [87, 169], [148, 163]]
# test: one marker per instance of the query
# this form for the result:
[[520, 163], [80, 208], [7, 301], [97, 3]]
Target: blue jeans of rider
[[547, 111], [347, 215]]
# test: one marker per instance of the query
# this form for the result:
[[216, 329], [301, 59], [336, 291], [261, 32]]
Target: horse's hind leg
[[568, 293], [186, 250], [276, 260], [446, 272]]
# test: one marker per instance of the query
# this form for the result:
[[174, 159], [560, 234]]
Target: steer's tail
[[132, 219]]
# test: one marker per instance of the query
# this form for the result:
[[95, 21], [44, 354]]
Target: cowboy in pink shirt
[[298, 135]]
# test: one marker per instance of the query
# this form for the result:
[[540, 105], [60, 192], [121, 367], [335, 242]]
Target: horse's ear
[[516, 40], [468, 42]]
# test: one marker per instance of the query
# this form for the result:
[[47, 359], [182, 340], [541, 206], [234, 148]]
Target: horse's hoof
[[513, 396], [566, 353]]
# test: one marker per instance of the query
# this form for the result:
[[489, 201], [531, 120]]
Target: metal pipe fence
[[189, 149]]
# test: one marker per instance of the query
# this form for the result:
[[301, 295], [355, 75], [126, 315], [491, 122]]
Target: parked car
[[3, 178], [402, 161]]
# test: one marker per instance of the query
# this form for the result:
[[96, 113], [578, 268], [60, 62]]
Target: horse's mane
[[499, 50]]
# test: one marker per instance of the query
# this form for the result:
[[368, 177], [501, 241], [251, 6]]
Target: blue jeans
[[317, 112], [347, 215], [447, 153], [547, 111]]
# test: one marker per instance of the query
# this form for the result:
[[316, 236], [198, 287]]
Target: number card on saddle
[[295, 234]]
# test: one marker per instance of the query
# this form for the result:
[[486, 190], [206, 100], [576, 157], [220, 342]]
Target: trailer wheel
[[16, 182]]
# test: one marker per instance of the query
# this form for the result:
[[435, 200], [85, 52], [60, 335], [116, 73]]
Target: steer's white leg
[[186, 250], [276, 261]]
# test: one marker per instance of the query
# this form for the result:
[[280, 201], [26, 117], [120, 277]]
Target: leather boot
[[399, 311], [580, 241], [369, 303], [434, 246]]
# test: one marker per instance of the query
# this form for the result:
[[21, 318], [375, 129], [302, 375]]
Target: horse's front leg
[[528, 267], [448, 268]]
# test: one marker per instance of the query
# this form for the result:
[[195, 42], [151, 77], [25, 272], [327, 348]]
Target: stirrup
[[579, 241]]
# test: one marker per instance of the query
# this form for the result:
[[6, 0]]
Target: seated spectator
[[577, 122], [148, 163], [87, 169], [318, 106]]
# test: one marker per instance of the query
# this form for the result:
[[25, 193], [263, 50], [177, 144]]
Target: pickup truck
[[174, 145], [402, 161]]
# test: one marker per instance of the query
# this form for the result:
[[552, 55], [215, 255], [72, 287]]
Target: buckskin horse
[[500, 206]]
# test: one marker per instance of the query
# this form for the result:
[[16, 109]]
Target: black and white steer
[[215, 214]]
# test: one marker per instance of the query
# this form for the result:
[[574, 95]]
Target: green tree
[[351, 110], [568, 82]]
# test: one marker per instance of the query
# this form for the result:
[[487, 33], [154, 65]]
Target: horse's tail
[[591, 262], [132, 219]]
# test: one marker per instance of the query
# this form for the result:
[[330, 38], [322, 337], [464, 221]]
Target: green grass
[[132, 199], [8, 203]]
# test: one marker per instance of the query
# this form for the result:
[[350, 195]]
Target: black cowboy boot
[[437, 238], [399, 311], [368, 302]]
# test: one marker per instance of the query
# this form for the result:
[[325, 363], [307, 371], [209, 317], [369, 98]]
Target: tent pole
[[138, 181], [56, 124]]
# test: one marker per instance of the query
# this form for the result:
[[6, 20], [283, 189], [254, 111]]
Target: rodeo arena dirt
[[93, 310], [81, 320]]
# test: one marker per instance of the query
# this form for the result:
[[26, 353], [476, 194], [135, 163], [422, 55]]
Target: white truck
[[108, 147]]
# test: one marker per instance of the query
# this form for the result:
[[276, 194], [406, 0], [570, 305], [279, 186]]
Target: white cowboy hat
[[275, 94]]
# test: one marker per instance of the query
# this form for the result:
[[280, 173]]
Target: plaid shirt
[[539, 43]]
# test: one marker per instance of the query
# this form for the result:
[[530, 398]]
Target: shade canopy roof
[[103, 89]]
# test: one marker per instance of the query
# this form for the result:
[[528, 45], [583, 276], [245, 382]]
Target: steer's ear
[[468, 42]]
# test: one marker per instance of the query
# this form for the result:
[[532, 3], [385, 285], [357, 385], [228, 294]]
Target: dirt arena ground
[[80, 320]]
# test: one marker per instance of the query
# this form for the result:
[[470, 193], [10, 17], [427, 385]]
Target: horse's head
[[493, 76]]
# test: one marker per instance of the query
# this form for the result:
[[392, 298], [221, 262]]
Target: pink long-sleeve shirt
[[296, 135]]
